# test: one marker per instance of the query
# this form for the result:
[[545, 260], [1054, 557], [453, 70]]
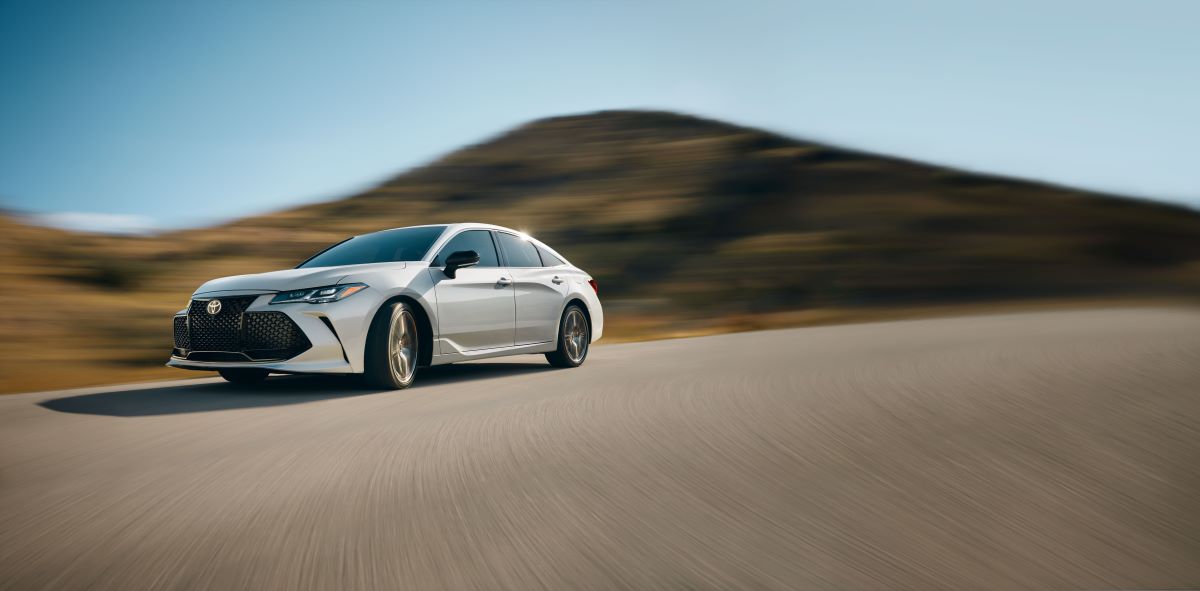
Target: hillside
[[688, 224]]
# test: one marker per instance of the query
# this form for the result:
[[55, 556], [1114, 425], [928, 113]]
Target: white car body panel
[[474, 310], [539, 302], [279, 280], [473, 316]]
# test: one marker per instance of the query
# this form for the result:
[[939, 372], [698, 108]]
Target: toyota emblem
[[214, 307]]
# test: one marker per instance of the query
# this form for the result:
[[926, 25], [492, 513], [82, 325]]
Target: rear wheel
[[574, 336], [391, 359], [244, 376]]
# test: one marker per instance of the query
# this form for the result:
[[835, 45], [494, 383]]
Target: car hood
[[289, 279]]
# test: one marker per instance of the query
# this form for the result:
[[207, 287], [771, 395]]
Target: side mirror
[[458, 260]]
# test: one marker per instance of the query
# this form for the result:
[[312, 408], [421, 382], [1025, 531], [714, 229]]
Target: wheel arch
[[424, 326], [587, 313]]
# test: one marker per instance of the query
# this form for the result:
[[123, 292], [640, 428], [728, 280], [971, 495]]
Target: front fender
[[352, 317]]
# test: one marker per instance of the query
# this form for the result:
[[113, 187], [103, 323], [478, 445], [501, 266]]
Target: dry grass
[[691, 227]]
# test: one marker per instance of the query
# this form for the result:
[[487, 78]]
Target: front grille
[[272, 335], [181, 332], [216, 356], [217, 332], [235, 334]]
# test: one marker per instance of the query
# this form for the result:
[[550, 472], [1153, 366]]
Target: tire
[[248, 376], [574, 336], [392, 343]]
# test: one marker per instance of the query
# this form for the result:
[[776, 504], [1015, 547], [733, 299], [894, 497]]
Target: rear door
[[476, 309], [541, 291]]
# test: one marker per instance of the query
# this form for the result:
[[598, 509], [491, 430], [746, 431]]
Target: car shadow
[[276, 391]]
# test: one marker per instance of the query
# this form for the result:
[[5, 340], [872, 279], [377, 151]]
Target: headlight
[[318, 295]]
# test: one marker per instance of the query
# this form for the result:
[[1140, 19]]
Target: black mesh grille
[[216, 356], [220, 331], [272, 335], [181, 332], [233, 331]]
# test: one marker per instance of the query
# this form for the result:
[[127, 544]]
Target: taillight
[[595, 286]]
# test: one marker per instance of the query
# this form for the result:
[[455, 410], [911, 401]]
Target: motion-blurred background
[[668, 149]]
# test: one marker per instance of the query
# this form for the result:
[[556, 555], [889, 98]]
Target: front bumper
[[289, 366], [325, 329]]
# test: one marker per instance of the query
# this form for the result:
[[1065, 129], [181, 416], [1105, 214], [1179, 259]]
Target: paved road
[[1049, 450]]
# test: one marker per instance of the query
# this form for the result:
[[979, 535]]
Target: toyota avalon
[[386, 303]]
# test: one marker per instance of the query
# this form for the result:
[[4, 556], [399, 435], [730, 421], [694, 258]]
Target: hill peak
[[628, 123], [687, 223], [652, 118]]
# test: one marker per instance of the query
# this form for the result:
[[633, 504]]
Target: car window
[[402, 244], [520, 252], [548, 258], [479, 241]]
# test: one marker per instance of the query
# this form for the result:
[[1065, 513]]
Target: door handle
[[503, 281], [557, 280]]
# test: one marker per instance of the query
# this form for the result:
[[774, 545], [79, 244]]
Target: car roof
[[454, 227], [479, 226]]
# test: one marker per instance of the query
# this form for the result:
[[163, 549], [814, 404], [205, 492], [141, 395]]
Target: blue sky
[[127, 115]]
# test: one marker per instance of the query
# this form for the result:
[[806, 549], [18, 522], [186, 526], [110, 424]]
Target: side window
[[520, 253], [479, 241], [548, 259]]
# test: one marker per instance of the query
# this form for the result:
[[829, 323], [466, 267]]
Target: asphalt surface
[[1047, 450]]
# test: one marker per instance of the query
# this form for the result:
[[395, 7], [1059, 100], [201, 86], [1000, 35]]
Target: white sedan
[[386, 303]]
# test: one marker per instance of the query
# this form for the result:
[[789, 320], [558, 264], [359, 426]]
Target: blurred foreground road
[[1044, 450]]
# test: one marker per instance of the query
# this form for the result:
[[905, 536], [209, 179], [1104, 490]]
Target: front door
[[477, 308]]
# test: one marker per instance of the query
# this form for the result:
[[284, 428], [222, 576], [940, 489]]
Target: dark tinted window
[[403, 244], [548, 258], [479, 241], [520, 253]]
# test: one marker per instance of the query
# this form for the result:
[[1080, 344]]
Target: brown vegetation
[[690, 226]]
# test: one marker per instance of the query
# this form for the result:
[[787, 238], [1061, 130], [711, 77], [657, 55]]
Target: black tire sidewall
[[377, 367], [559, 357]]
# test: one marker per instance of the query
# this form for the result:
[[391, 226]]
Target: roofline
[[455, 228]]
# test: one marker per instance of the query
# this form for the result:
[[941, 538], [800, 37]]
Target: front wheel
[[391, 360], [574, 336], [244, 376]]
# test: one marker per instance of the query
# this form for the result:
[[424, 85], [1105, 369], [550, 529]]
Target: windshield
[[403, 244]]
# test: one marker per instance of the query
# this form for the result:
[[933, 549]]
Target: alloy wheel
[[575, 335], [402, 345]]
